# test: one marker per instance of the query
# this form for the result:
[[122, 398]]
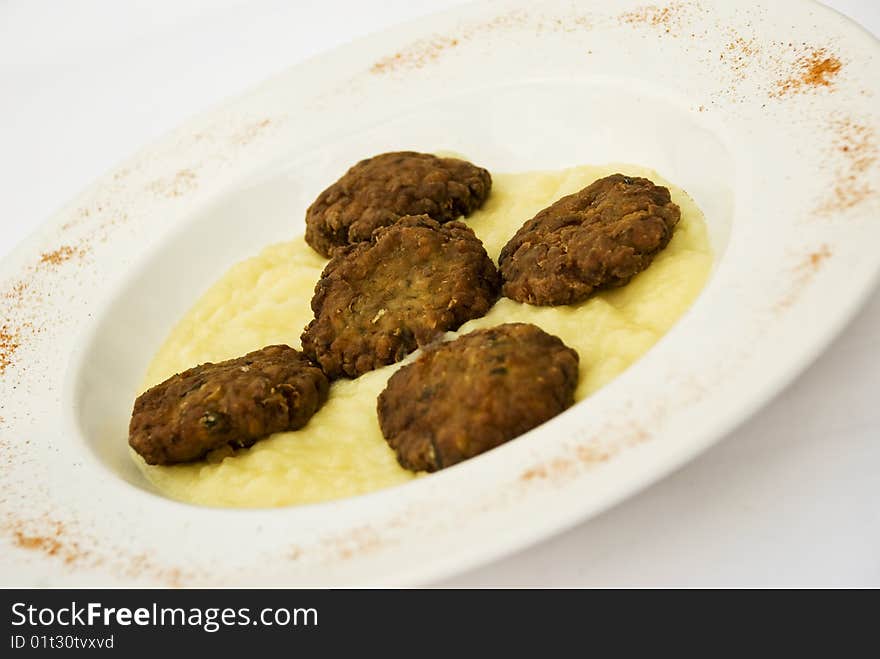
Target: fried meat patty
[[378, 301], [597, 238], [377, 191], [472, 394], [231, 403]]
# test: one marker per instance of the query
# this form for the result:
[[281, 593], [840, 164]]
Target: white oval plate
[[767, 114]]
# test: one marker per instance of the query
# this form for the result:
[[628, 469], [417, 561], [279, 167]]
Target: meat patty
[[231, 403], [377, 191], [597, 238], [378, 301], [477, 392]]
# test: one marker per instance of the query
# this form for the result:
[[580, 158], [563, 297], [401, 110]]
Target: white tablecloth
[[790, 497]]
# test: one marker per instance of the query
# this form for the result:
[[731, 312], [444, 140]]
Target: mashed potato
[[341, 452]]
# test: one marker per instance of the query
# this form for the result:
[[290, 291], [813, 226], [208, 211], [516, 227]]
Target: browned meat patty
[[597, 238], [472, 394], [378, 301], [379, 190], [232, 403]]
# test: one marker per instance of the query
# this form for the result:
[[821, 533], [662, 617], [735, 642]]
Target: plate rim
[[755, 399]]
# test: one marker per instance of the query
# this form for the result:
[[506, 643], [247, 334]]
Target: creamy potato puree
[[341, 452]]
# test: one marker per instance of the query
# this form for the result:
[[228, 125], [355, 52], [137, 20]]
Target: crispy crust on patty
[[597, 238], [376, 192], [378, 301], [230, 403], [477, 392]]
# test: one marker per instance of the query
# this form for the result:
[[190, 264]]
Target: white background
[[792, 497]]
